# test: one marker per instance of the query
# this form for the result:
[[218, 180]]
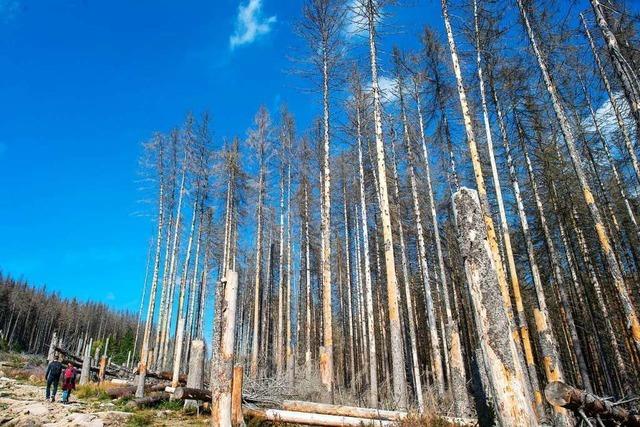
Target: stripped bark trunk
[[222, 371], [499, 357], [399, 380]]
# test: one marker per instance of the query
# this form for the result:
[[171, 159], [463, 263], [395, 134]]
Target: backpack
[[68, 373]]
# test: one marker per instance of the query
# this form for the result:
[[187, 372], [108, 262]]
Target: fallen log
[[184, 393], [151, 400], [349, 411], [566, 396], [68, 354], [118, 392], [163, 375], [278, 415]]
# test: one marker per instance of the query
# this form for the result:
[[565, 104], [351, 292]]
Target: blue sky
[[85, 82]]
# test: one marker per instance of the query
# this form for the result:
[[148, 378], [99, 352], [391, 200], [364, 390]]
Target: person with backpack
[[68, 382], [52, 375]]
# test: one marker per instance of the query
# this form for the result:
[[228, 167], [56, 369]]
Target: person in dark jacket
[[53, 377], [68, 382]]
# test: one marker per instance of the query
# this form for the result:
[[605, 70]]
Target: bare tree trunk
[[180, 326], [457, 374], [477, 168], [307, 356], [144, 353], [522, 320], [368, 289], [499, 357], [255, 343], [422, 252], [144, 291], [633, 324], [548, 344], [352, 362], [399, 380], [222, 371], [415, 362]]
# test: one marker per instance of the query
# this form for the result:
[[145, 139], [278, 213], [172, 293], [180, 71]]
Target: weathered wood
[[52, 346], [86, 365], [196, 368], [188, 393], [117, 392], [222, 368], [566, 396], [349, 411], [237, 419], [103, 368], [505, 384], [152, 399], [311, 419]]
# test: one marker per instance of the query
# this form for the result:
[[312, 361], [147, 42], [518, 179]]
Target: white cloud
[[606, 117], [250, 24], [388, 88], [356, 20], [111, 296]]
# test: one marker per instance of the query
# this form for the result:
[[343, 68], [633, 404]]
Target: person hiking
[[52, 375], [68, 382]]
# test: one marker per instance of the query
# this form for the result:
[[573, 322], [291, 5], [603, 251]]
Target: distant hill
[[29, 316]]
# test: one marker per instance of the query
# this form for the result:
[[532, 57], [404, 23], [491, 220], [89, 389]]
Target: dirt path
[[23, 404]]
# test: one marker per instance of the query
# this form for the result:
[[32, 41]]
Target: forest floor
[[23, 404]]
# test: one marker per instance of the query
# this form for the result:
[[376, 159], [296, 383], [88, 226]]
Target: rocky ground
[[22, 403]]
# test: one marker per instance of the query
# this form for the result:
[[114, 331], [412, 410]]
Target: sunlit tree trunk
[[144, 353], [633, 325], [522, 320], [399, 380]]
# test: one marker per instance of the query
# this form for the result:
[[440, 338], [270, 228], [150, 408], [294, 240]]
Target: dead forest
[[463, 240]]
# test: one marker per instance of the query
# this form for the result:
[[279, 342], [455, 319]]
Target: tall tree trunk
[[415, 362], [144, 353], [633, 325], [497, 347], [368, 288], [255, 343], [624, 70], [422, 251], [612, 99], [399, 380], [522, 320]]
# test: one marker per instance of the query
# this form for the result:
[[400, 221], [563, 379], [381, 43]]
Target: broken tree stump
[[103, 367], [196, 371], [222, 368], [505, 383], [52, 347], [565, 396], [86, 366]]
